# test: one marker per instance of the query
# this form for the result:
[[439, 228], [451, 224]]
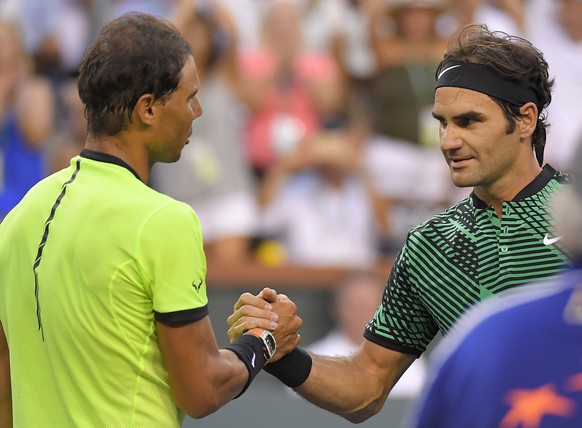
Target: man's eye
[[464, 122]]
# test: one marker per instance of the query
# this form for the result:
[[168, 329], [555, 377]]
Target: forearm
[[5, 388], [354, 387], [5, 397], [344, 386], [223, 379], [203, 377]]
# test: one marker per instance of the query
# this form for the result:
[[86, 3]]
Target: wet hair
[[514, 59], [133, 55]]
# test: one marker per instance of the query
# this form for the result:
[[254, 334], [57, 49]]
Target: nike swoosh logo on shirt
[[550, 241], [253, 360], [447, 69]]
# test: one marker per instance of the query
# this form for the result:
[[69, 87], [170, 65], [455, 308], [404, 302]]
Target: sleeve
[[402, 322], [172, 259]]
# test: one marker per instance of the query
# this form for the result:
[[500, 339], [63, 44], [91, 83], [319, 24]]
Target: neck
[[119, 147], [507, 188]]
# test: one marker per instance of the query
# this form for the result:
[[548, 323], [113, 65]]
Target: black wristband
[[293, 369], [249, 349]]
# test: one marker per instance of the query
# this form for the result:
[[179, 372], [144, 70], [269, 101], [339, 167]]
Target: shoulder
[[447, 219], [170, 209], [146, 206]]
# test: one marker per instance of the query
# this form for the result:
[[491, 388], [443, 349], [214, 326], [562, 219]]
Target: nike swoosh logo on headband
[[447, 69]]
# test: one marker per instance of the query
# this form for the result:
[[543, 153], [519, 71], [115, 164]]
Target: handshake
[[269, 311], [273, 318]]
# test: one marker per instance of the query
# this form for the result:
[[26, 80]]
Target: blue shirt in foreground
[[519, 366]]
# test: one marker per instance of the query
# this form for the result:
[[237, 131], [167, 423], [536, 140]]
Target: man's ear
[[146, 109], [529, 120]]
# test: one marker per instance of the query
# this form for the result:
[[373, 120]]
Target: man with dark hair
[[491, 92], [528, 349], [103, 306]]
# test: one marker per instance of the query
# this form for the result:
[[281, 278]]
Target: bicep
[[186, 349]]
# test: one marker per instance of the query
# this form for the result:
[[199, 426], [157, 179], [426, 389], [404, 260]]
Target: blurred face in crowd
[[11, 53], [356, 305], [415, 23], [199, 34], [281, 27]]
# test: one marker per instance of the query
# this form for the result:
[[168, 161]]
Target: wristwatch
[[269, 342]]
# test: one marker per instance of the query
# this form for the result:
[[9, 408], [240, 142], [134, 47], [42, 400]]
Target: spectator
[[556, 27], [518, 364], [319, 203], [406, 57], [341, 27], [247, 16], [69, 138], [27, 112], [403, 131], [292, 93], [212, 175], [55, 33], [499, 15]]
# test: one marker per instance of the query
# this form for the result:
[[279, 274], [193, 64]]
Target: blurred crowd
[[316, 146]]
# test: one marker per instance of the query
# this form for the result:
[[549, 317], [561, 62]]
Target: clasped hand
[[271, 311]]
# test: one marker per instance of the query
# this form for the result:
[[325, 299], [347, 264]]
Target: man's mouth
[[458, 162]]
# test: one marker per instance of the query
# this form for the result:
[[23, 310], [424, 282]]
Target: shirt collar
[[531, 189], [105, 157]]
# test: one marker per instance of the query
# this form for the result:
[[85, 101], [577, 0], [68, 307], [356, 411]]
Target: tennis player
[[492, 91], [103, 307], [528, 349]]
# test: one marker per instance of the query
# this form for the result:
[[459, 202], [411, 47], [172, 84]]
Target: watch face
[[270, 343]]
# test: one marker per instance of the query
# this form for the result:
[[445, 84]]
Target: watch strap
[[269, 343]]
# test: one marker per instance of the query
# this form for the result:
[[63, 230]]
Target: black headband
[[484, 79]]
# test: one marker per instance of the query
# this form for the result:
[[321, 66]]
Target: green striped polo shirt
[[462, 256]]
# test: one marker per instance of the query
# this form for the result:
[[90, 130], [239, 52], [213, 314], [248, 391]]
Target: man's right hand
[[271, 311]]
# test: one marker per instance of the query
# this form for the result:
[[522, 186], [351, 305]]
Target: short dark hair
[[513, 58], [133, 55]]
